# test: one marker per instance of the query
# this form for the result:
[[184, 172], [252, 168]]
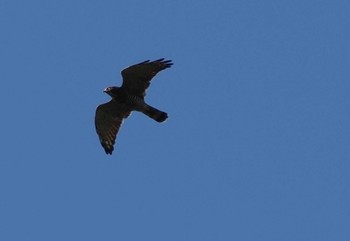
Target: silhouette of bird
[[127, 98]]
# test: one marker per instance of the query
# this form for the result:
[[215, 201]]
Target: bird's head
[[112, 91]]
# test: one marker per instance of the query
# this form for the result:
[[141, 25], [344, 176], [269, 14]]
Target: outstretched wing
[[108, 119], [136, 78]]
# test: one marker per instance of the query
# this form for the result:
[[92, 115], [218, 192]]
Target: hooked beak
[[105, 90]]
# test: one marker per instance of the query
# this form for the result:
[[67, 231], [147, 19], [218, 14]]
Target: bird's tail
[[155, 114]]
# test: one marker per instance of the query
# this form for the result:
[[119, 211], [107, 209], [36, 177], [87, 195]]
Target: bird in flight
[[127, 98]]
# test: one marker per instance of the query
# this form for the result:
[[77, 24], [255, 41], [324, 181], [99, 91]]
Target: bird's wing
[[108, 119], [136, 78]]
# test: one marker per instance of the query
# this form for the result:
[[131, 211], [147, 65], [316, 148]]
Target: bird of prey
[[127, 98]]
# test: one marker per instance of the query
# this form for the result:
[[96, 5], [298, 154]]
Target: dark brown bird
[[129, 97]]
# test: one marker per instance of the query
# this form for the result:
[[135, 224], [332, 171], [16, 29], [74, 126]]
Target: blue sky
[[256, 146]]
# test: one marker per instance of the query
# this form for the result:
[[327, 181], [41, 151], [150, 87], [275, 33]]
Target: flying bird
[[127, 98]]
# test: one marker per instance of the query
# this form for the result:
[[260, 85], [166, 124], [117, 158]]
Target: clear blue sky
[[257, 142]]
